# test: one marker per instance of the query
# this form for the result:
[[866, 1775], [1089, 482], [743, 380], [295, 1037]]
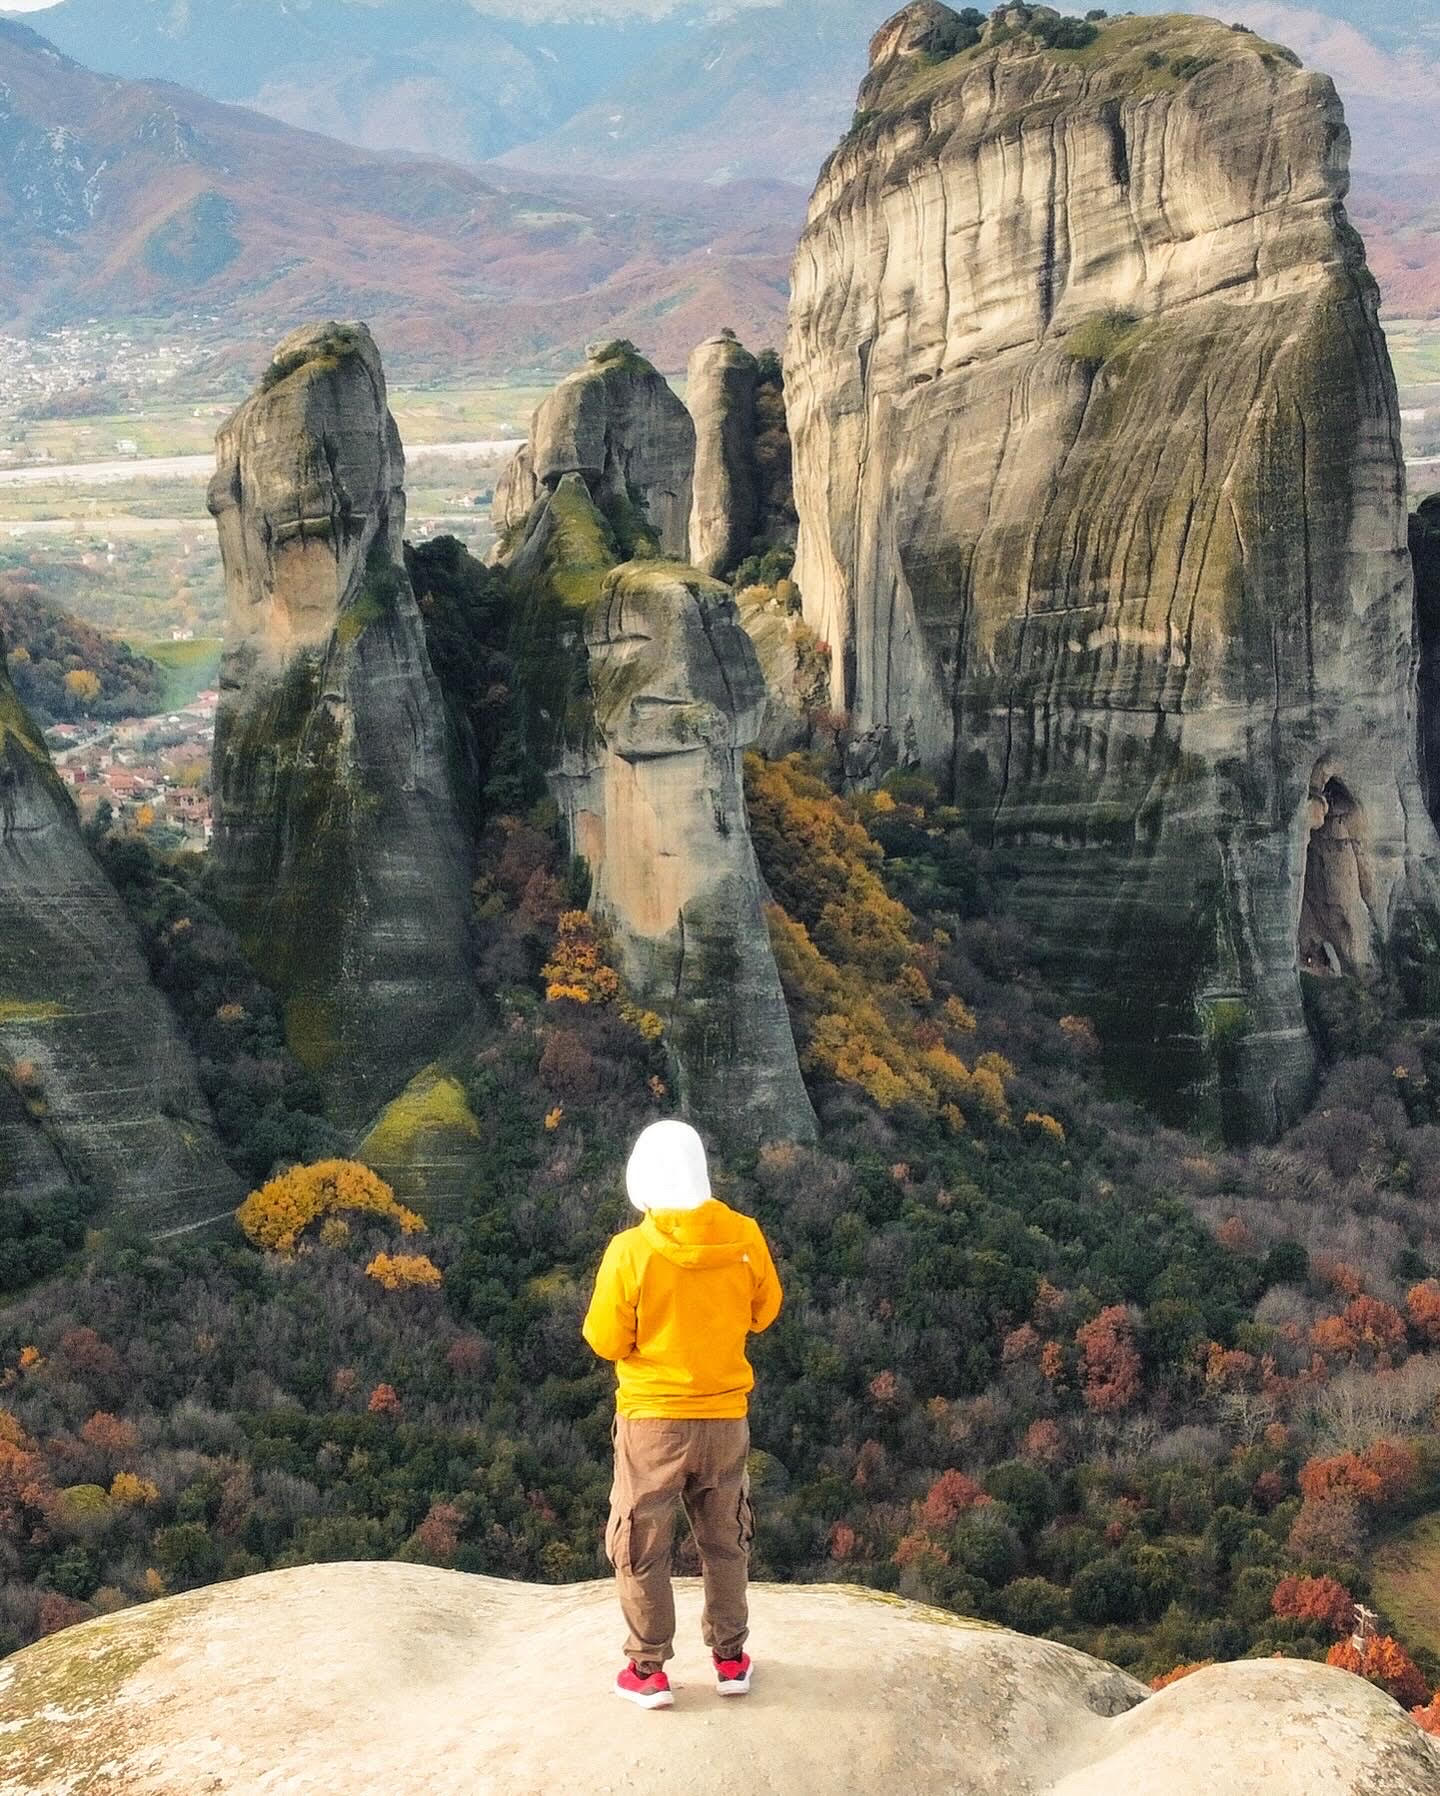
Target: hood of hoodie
[[712, 1235], [667, 1169]]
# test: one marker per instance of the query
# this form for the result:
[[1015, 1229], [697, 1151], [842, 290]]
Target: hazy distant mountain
[[131, 199], [436, 76]]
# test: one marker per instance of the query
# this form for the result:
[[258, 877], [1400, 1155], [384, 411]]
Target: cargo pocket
[[618, 1532], [745, 1515]]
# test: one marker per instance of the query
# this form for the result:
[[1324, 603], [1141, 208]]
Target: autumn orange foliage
[[949, 1497], [1384, 1662], [1110, 1374], [1423, 1304], [1427, 1719], [1322, 1600], [1377, 1476], [1365, 1326], [278, 1214], [1181, 1671]]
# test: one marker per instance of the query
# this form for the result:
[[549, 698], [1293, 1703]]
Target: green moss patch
[[1102, 336], [49, 1693], [432, 1104]]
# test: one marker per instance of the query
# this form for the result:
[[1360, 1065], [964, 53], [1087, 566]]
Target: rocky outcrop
[[648, 691], [420, 1682], [618, 425], [744, 504], [98, 1091], [720, 391], [1098, 466], [653, 795], [339, 853]]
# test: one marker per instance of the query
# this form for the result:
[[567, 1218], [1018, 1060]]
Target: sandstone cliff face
[[654, 799], [338, 848], [1098, 467], [1425, 551], [618, 425], [420, 1682], [99, 1089]]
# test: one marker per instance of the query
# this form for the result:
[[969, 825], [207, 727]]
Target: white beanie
[[667, 1169]]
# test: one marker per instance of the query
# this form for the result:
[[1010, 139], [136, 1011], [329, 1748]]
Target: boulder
[[1098, 466], [339, 852], [99, 1091], [416, 1682]]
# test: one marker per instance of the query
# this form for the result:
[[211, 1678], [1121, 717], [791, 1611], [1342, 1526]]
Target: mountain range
[[582, 156], [129, 199]]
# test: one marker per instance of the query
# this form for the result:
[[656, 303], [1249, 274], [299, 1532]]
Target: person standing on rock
[[675, 1300]]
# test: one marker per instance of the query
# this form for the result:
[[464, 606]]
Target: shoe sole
[[662, 1699], [736, 1687]]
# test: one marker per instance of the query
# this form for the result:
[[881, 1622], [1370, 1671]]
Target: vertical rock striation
[[338, 847], [99, 1091], [1098, 467]]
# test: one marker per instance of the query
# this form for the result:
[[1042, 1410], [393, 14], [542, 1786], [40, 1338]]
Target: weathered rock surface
[[618, 424], [98, 1088], [720, 391], [1097, 459], [339, 852], [422, 1683], [1425, 551], [653, 796]]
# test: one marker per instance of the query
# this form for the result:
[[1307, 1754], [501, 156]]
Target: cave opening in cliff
[[1337, 919]]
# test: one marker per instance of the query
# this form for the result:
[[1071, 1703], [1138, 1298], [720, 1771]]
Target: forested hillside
[[1040, 1360], [65, 668]]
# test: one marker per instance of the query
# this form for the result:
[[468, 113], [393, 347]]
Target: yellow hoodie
[[674, 1301]]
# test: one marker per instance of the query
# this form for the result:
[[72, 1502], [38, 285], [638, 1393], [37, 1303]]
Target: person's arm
[[765, 1303], [610, 1321]]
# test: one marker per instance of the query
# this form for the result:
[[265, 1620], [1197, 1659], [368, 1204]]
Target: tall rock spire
[[339, 852]]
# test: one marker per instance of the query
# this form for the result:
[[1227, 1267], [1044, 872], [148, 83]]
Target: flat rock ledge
[[414, 1682]]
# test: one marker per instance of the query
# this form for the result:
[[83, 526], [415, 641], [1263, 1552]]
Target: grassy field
[[1407, 1583], [1415, 351], [189, 667]]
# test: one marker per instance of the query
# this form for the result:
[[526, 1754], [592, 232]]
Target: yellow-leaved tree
[[404, 1272], [277, 1215]]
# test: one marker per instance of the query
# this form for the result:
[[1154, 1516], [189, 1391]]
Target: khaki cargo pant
[[700, 1464]]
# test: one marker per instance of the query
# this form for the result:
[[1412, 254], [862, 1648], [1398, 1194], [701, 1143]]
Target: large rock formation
[[619, 426], [653, 795], [648, 692], [96, 1088], [416, 1682], [338, 852], [1098, 464]]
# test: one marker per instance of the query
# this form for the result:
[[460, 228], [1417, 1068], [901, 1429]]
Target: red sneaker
[[646, 1692], [732, 1676]]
